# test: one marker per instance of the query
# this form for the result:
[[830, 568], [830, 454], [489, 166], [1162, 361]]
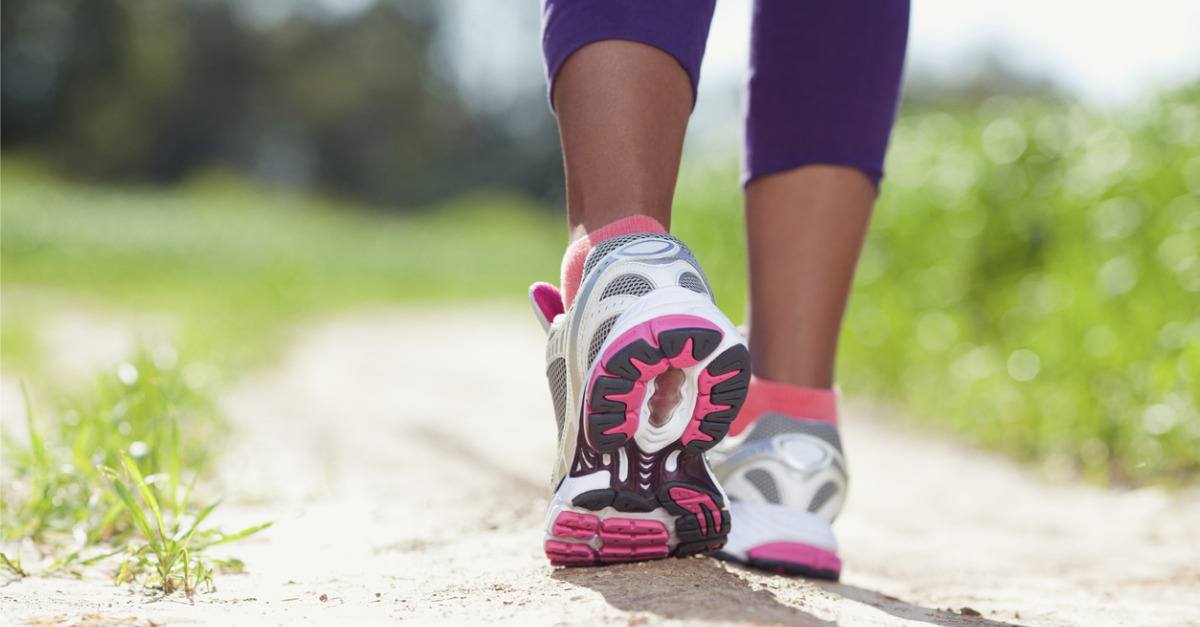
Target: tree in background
[[354, 104]]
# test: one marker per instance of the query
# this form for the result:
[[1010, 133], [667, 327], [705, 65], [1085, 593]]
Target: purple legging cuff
[[824, 84], [824, 75], [677, 27]]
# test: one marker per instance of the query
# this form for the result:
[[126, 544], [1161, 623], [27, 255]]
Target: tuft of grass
[[112, 478], [170, 549]]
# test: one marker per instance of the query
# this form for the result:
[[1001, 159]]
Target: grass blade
[[127, 498], [244, 533], [187, 537], [147, 495], [36, 445], [173, 464], [13, 566]]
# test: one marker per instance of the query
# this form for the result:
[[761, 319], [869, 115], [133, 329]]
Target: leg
[[822, 98], [622, 111], [806, 228], [823, 90], [644, 371], [622, 77], [622, 81]]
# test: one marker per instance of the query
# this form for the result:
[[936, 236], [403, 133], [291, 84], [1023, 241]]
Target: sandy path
[[405, 456]]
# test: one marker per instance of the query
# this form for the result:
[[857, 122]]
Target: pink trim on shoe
[[547, 302], [696, 502], [649, 331], [798, 554], [819, 404], [576, 254], [705, 405]]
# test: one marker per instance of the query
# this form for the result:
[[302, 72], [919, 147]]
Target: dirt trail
[[405, 456]]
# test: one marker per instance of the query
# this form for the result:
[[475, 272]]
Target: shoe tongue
[[547, 303]]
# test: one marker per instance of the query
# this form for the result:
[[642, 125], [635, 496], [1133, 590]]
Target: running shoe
[[645, 374], [787, 480]]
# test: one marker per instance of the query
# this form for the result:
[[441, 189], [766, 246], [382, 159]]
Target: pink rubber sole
[[621, 540], [796, 558], [642, 353]]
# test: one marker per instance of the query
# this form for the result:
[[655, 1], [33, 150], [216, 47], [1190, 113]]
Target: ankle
[[577, 252], [776, 359], [818, 404]]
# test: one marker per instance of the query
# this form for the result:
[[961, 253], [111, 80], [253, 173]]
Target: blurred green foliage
[[357, 102], [240, 262], [1032, 280]]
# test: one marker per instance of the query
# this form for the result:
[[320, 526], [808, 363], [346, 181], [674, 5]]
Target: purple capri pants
[[824, 74]]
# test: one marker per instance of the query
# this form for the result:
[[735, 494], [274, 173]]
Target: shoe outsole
[[646, 351], [701, 526], [782, 567], [829, 570], [684, 495]]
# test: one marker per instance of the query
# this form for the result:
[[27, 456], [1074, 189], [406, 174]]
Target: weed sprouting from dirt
[[111, 478]]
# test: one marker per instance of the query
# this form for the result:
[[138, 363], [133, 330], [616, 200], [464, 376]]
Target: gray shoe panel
[[772, 424], [764, 483]]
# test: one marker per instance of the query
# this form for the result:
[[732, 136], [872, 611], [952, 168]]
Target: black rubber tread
[[731, 392], [620, 364], [739, 382], [736, 357], [597, 424], [594, 500], [732, 398], [687, 549], [714, 430], [620, 500], [687, 526], [692, 533], [704, 341], [721, 416], [604, 387], [633, 502]]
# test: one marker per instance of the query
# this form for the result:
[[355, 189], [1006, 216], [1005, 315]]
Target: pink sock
[[577, 252], [819, 404]]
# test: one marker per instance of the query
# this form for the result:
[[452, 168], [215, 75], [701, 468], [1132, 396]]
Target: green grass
[[64, 499], [104, 478], [1031, 280], [240, 262], [235, 265]]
